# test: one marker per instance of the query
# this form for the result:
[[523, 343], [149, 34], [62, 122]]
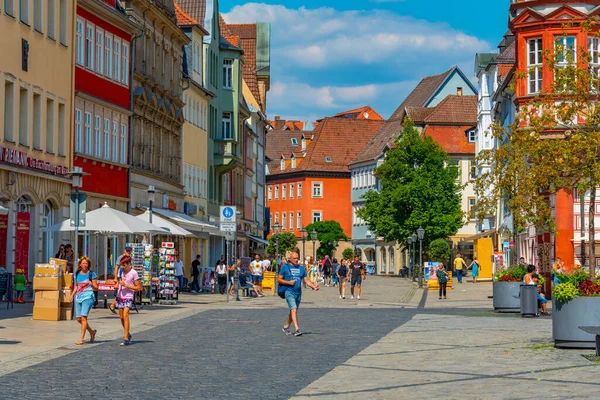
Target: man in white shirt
[[266, 264], [257, 270], [179, 272]]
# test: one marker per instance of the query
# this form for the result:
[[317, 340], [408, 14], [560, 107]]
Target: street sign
[[73, 208], [227, 227], [228, 214]]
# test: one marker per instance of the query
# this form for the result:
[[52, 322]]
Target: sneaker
[[358, 297], [340, 297], [298, 333], [193, 291], [344, 297], [286, 330], [352, 297], [130, 337], [125, 342]]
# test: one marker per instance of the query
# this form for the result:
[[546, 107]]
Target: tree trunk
[[591, 233]]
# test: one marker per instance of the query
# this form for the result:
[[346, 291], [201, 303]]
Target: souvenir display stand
[[138, 251], [167, 290]]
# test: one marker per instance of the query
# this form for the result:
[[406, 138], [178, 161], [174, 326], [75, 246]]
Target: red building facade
[[103, 43]]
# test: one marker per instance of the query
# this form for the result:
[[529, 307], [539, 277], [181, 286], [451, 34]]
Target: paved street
[[383, 346]]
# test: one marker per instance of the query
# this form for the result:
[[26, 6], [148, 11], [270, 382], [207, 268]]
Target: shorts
[[292, 299], [541, 299], [82, 309], [355, 280], [342, 279], [257, 278], [124, 303]]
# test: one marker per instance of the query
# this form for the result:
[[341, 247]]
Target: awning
[[186, 221], [3, 210], [257, 239], [167, 225], [481, 235]]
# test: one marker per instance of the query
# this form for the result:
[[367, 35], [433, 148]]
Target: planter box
[[568, 317], [506, 296]]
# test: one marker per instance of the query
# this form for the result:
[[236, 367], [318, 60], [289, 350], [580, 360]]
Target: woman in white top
[[528, 278]]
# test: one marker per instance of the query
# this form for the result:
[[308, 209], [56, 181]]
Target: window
[[89, 46], [291, 190], [282, 164], [123, 144], [51, 16], [299, 220], [62, 129], [299, 190], [115, 141], [534, 64], [472, 208], [294, 141], [472, 136], [9, 7], [108, 55], [459, 91], [24, 116], [64, 21], [106, 139], [88, 133], [276, 192], [472, 170], [283, 221], [79, 45], [78, 132], [37, 15], [303, 144], [125, 66], [276, 218], [328, 159], [565, 49], [291, 221], [100, 51], [50, 126], [24, 11], [117, 59], [317, 189], [37, 121], [227, 74], [293, 162], [454, 166], [97, 136], [317, 216], [269, 193], [283, 191], [226, 126], [594, 51]]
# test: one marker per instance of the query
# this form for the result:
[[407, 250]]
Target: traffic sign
[[228, 214], [227, 226]]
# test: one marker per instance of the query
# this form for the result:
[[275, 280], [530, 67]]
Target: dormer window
[[472, 135], [294, 141], [328, 159], [303, 144], [282, 164], [293, 162]]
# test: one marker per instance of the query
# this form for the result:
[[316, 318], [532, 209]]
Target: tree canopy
[[348, 253], [327, 233], [287, 242], [417, 189], [439, 250]]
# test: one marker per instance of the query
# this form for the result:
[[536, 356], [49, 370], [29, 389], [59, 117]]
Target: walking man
[[357, 275], [291, 275], [459, 263], [258, 270], [195, 274]]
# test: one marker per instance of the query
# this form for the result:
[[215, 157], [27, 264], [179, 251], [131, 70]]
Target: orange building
[[308, 176]]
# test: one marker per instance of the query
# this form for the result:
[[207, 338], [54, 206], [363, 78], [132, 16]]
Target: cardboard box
[[48, 270], [46, 283], [66, 281], [47, 299], [65, 297], [59, 262], [46, 314], [66, 313]]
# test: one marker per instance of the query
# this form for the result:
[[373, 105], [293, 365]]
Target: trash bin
[[529, 302]]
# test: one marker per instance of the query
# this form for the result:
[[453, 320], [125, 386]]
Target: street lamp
[[414, 241], [77, 182], [276, 230], [421, 235], [303, 235], [409, 241], [313, 236]]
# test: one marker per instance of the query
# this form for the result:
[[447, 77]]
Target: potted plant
[[576, 302], [507, 283]]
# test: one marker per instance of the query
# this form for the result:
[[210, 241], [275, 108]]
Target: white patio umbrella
[[167, 225]]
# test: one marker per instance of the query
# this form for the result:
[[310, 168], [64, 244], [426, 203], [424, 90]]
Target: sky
[[336, 55]]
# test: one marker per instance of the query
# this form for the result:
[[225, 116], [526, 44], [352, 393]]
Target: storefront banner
[[22, 243], [3, 237]]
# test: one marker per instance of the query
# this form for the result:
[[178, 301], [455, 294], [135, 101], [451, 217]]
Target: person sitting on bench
[[540, 296], [244, 284]]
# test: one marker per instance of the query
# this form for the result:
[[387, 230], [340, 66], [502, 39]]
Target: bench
[[594, 330]]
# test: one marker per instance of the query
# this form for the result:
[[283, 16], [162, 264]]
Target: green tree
[[348, 253], [417, 189], [439, 250], [287, 242], [327, 233]]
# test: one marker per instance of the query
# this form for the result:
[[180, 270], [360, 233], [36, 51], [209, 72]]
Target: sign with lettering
[[3, 237], [22, 242], [21, 159]]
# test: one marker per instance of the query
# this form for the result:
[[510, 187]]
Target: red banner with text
[[22, 243], [3, 237]]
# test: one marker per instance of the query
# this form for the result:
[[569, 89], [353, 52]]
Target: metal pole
[[150, 220], [414, 246], [420, 263], [314, 252], [76, 247]]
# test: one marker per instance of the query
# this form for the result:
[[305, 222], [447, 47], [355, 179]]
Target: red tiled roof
[[225, 31], [247, 34], [234, 40], [359, 113], [453, 139], [341, 139], [195, 9], [289, 125], [279, 143], [454, 110], [418, 114], [183, 18]]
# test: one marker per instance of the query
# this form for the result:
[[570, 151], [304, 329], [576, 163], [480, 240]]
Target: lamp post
[[77, 178], [414, 240], [410, 265], [420, 235], [313, 236], [303, 236], [151, 197], [276, 230]]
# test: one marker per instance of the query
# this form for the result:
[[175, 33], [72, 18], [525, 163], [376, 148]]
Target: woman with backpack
[[334, 269], [85, 283], [327, 265], [342, 274]]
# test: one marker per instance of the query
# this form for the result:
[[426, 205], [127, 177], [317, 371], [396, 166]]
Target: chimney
[[459, 91], [277, 118]]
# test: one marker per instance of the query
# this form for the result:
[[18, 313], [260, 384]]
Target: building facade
[[36, 110]]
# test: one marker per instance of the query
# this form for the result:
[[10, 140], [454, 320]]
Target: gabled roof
[[183, 18], [365, 112], [196, 9], [224, 28], [454, 110], [508, 55], [453, 139], [279, 143], [418, 114], [247, 34]]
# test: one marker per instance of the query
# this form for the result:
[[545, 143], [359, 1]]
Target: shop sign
[[21, 159], [3, 237], [22, 242]]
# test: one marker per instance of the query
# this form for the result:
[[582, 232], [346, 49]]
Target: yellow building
[[36, 105]]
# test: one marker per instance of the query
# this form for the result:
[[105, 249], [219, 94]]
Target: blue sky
[[332, 56]]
